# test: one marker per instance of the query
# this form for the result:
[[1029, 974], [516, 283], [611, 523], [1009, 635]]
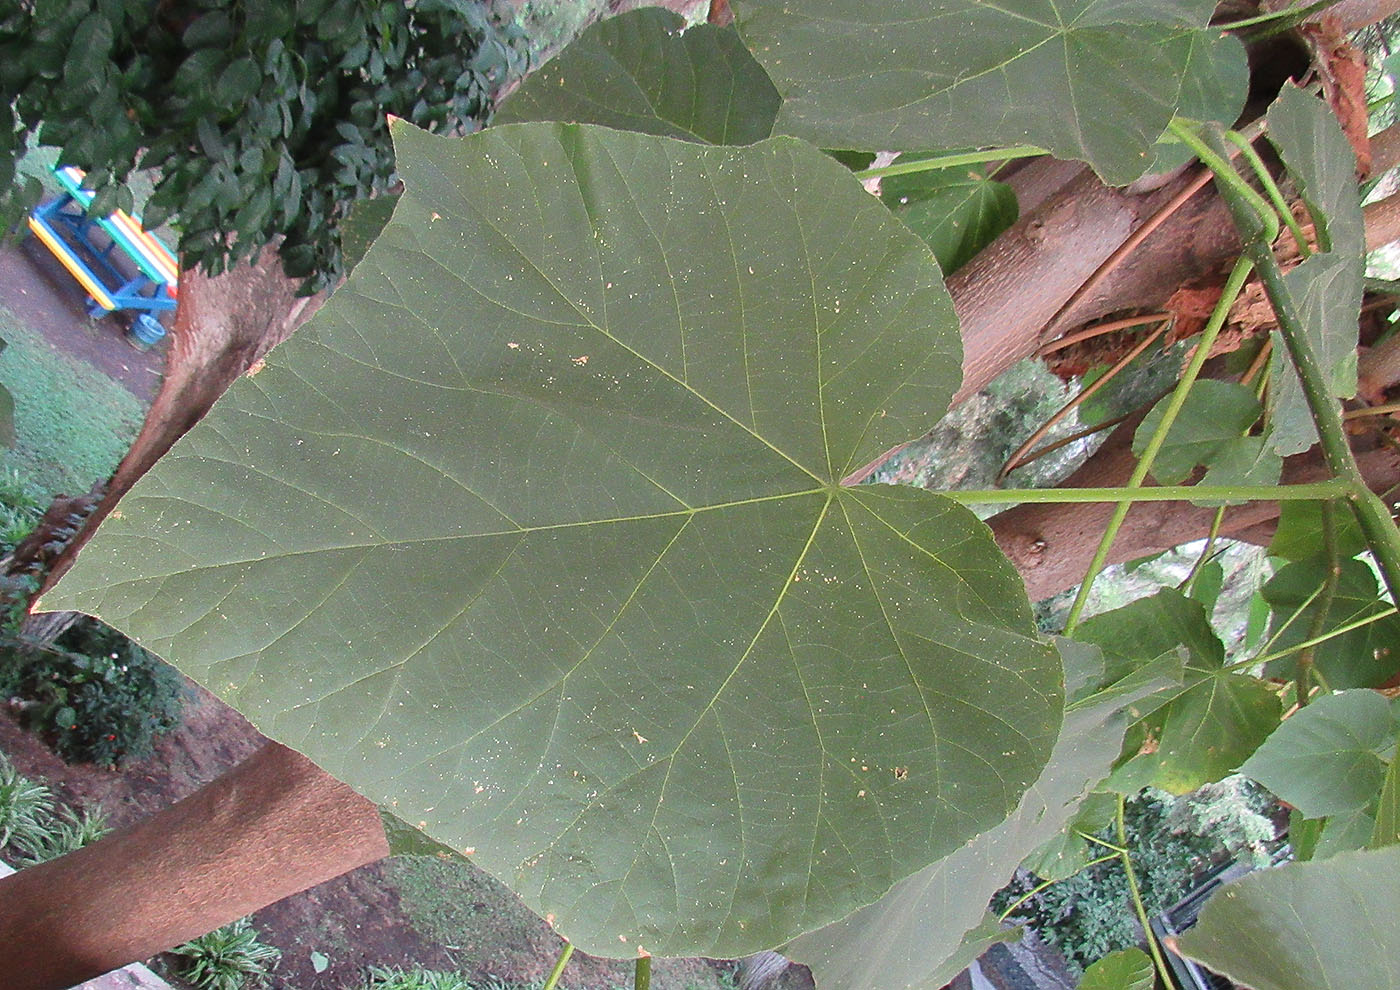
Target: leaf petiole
[[950, 161]]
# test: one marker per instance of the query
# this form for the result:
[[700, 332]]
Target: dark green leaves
[[642, 71], [1326, 758], [1096, 80], [957, 211], [1210, 429], [1365, 656], [535, 535], [1333, 923]]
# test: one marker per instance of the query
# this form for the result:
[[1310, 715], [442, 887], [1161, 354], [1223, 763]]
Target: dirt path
[[41, 293]]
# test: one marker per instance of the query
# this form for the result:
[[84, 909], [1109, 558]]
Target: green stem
[[641, 979], [559, 965], [949, 161], [1163, 973], [1307, 655], [1292, 618], [1233, 285], [1371, 513], [1312, 491], [1189, 584], [1293, 14], [1341, 630], [1271, 189], [1049, 883], [1226, 175]]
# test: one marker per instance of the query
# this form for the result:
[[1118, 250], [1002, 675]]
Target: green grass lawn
[[72, 423]]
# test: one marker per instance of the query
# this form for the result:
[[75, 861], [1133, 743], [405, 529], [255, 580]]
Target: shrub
[[96, 695], [1172, 840], [227, 958], [26, 808], [61, 833]]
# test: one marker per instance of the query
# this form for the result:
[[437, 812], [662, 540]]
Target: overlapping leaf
[[1213, 725], [535, 535], [1333, 923], [1326, 288], [1096, 80], [1326, 758], [642, 71], [1365, 656], [1210, 429], [957, 211], [899, 940]]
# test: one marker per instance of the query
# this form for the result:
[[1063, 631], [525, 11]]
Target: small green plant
[[26, 808], [19, 509], [63, 832], [228, 958], [96, 695], [416, 978]]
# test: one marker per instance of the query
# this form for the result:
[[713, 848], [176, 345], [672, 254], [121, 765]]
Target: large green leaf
[[1325, 759], [1096, 80], [642, 71], [536, 535], [1333, 923], [957, 211], [1126, 969], [1213, 86], [1326, 288], [1366, 656], [900, 940]]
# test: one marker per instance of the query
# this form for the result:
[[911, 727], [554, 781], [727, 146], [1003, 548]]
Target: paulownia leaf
[[1126, 969], [1325, 759], [1332, 923], [1208, 430], [1326, 288], [1096, 80], [1213, 86], [1366, 656], [643, 71], [897, 941], [536, 535], [1300, 531], [957, 211], [1209, 728]]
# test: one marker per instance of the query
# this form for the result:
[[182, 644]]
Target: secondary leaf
[[1300, 531], [1126, 969], [536, 535], [957, 211], [897, 941], [1366, 656], [1213, 86], [1096, 80], [1209, 427], [1328, 923], [1209, 728], [1325, 759], [642, 71], [1326, 288]]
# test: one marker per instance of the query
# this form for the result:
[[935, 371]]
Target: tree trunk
[[224, 324], [273, 826]]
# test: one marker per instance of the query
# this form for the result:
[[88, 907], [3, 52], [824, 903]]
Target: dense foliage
[[262, 120], [1171, 841], [97, 696]]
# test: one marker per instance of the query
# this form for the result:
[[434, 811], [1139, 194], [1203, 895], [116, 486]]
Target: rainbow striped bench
[[150, 290]]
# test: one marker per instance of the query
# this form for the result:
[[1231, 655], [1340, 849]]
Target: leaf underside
[[535, 535], [1095, 80]]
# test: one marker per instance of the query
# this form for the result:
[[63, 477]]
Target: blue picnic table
[[84, 245]]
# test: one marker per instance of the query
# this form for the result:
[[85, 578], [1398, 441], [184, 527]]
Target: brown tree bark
[[224, 324], [1051, 545], [273, 826]]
